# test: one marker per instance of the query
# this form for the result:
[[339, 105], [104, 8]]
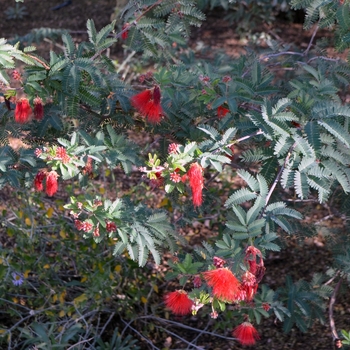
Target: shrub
[[81, 251]]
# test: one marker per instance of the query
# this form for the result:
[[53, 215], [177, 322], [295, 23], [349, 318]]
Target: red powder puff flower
[[125, 31], [51, 183], [38, 109], [148, 104], [195, 175], [23, 111], [38, 180], [246, 334], [225, 285], [179, 302], [222, 111]]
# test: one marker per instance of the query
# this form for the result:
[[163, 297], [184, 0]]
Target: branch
[[259, 132], [81, 342], [278, 177], [40, 61], [311, 41], [138, 333], [330, 312], [293, 53]]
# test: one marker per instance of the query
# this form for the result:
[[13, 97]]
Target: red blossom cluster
[[222, 111], [23, 111], [38, 109], [51, 182], [87, 170], [179, 302], [147, 103], [195, 175], [111, 226], [246, 334], [83, 225], [62, 155], [16, 75], [173, 148], [226, 287], [125, 31]]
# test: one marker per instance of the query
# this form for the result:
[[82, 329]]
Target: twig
[[191, 328], [293, 53], [138, 333], [80, 342], [311, 41], [130, 56], [330, 312], [278, 177], [40, 61], [324, 58], [260, 132], [182, 339], [109, 320], [212, 178], [31, 314], [332, 279]]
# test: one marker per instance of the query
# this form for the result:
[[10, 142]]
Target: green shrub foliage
[[284, 133]]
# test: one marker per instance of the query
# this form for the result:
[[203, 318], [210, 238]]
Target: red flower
[[111, 226], [125, 31], [61, 153], [87, 170], [246, 334], [266, 306], [197, 281], [16, 75], [256, 263], [23, 111], [218, 262], [148, 104], [38, 108], [222, 111], [249, 286], [51, 183], [179, 302], [78, 224], [224, 283], [38, 181], [173, 148], [195, 175]]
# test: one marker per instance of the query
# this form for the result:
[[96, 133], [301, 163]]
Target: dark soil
[[298, 260]]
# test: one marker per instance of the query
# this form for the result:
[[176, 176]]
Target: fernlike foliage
[[295, 133]]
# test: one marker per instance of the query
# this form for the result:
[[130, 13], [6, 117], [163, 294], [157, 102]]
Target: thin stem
[[109, 320], [260, 132], [138, 333], [40, 61], [182, 339], [31, 314], [293, 53], [191, 328], [81, 342], [330, 312], [311, 41], [278, 177]]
